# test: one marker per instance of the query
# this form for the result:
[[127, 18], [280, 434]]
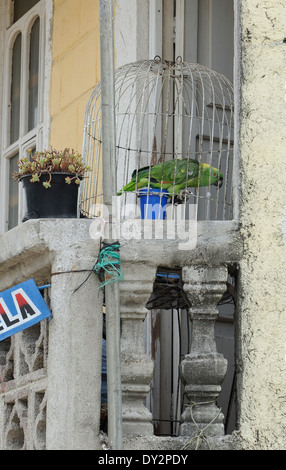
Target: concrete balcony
[[62, 253], [59, 252]]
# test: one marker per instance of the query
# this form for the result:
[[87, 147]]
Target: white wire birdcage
[[166, 111]]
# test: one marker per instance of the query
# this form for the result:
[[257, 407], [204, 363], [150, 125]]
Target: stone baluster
[[136, 365], [203, 369]]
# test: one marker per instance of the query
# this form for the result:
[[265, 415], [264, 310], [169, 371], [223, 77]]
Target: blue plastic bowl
[[152, 205]]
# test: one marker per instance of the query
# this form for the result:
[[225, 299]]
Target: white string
[[200, 436]]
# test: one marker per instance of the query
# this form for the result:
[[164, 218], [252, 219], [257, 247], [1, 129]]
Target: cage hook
[[157, 58]]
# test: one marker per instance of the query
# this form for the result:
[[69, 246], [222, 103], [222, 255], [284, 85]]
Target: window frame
[[38, 137]]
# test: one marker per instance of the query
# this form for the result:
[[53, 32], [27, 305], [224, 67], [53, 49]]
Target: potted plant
[[51, 180]]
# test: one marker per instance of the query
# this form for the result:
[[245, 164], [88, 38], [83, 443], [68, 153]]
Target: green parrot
[[174, 176]]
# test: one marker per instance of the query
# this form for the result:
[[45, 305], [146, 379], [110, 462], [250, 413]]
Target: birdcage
[[174, 140]]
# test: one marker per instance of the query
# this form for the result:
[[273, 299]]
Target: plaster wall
[[75, 68], [131, 33], [262, 315]]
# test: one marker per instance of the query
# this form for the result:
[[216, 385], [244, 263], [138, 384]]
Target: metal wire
[[164, 110]]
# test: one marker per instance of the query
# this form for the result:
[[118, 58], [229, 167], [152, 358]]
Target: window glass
[[15, 90], [34, 75], [13, 193], [21, 7]]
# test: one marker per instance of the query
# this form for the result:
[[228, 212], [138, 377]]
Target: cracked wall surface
[[262, 325]]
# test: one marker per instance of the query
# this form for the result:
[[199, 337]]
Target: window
[[33, 75], [23, 115], [15, 89], [21, 7]]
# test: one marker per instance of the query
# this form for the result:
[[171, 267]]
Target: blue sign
[[21, 307]]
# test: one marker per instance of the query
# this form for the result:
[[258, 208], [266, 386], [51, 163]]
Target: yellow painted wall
[[75, 68]]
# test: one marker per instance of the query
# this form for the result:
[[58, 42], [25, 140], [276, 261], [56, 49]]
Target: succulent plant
[[52, 161]]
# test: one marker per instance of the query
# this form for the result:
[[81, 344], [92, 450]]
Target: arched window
[[23, 97]]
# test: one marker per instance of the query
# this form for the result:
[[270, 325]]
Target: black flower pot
[[58, 201]]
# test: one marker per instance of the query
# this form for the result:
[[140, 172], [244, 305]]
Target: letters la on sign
[[21, 306]]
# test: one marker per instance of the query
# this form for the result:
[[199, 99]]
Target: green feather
[[174, 175]]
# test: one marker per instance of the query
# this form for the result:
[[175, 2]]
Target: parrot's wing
[[171, 172], [182, 170], [165, 171], [144, 170]]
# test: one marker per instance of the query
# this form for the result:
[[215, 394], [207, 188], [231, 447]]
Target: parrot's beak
[[219, 182]]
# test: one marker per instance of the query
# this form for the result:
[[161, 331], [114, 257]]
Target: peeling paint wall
[[262, 316]]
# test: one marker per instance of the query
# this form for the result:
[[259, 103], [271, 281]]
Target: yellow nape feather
[[204, 165]]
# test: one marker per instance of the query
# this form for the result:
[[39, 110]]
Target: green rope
[[108, 265]]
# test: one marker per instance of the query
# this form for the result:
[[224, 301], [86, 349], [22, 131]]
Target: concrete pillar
[[203, 369], [74, 360], [136, 365]]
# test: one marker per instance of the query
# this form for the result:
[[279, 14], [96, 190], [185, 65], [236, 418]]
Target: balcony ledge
[[168, 443], [29, 248]]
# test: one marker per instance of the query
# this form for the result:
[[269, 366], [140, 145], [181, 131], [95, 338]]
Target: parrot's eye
[[214, 173]]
